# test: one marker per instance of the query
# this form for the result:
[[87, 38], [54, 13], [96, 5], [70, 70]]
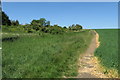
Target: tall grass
[[108, 49], [46, 56]]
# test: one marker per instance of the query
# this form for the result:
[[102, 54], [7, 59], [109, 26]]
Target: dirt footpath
[[88, 63]]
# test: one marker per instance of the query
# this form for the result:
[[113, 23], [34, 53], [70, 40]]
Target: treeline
[[41, 25]]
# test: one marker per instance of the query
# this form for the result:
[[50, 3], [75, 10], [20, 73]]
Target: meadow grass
[[107, 52], [46, 56]]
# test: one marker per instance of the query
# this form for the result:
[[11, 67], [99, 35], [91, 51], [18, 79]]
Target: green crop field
[[49, 56], [108, 49]]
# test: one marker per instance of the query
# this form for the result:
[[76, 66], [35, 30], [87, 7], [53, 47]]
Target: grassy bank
[[49, 56], [108, 49]]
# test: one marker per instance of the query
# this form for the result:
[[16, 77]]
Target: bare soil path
[[88, 63]]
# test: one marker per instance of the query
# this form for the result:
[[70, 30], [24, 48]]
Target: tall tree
[[5, 19]]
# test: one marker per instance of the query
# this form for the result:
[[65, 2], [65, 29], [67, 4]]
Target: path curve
[[88, 63]]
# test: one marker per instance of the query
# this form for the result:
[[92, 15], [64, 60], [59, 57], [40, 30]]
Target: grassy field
[[108, 49], [49, 56]]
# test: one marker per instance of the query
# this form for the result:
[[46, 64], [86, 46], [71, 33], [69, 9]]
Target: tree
[[15, 23], [5, 19], [48, 23], [78, 27], [70, 27], [65, 27], [75, 27], [42, 21], [40, 24], [35, 24]]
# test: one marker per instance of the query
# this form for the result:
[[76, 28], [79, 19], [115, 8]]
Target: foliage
[[43, 56], [5, 19], [13, 29], [76, 27], [40, 23], [36, 26], [15, 23]]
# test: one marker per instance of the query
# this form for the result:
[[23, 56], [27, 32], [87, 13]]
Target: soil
[[88, 63]]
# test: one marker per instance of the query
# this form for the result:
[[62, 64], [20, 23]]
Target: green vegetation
[[108, 49], [46, 55], [41, 50], [5, 19], [35, 26]]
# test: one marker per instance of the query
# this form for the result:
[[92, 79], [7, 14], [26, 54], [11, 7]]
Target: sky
[[91, 15]]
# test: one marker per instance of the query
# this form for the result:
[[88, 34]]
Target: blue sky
[[88, 14]]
